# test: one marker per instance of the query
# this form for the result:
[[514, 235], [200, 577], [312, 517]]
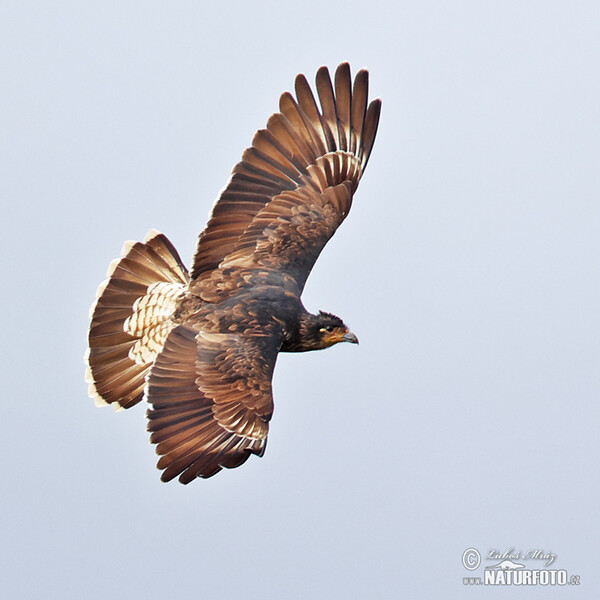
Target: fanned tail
[[131, 319]]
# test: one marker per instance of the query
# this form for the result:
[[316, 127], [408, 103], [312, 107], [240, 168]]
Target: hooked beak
[[350, 337]]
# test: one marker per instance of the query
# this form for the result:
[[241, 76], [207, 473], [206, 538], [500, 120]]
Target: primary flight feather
[[201, 347]]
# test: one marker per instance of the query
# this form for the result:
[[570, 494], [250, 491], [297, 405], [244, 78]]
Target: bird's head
[[327, 329]]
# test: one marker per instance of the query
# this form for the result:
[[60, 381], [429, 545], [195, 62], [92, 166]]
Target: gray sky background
[[468, 267]]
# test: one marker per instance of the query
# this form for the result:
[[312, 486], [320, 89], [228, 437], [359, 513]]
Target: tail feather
[[131, 319]]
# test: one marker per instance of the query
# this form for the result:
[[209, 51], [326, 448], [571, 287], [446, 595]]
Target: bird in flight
[[201, 346]]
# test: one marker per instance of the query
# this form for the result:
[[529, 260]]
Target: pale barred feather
[[150, 320]]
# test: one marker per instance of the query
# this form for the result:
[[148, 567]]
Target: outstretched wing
[[294, 186], [211, 401]]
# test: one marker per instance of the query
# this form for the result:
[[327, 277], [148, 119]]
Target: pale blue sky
[[468, 267]]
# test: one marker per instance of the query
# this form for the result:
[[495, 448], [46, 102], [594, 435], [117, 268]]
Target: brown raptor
[[201, 347]]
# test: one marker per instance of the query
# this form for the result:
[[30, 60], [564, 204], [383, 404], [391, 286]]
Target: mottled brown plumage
[[201, 347]]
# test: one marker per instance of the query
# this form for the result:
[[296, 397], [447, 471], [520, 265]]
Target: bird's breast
[[258, 304]]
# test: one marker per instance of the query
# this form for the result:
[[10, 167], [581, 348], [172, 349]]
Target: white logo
[[507, 564], [471, 559], [508, 571]]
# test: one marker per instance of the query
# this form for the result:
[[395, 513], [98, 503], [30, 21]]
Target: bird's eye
[[329, 328]]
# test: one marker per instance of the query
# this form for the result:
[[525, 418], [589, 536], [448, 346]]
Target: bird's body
[[201, 347]]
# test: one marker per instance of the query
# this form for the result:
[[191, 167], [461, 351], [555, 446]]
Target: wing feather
[[307, 103], [300, 122], [360, 95], [327, 100], [343, 95], [369, 131]]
